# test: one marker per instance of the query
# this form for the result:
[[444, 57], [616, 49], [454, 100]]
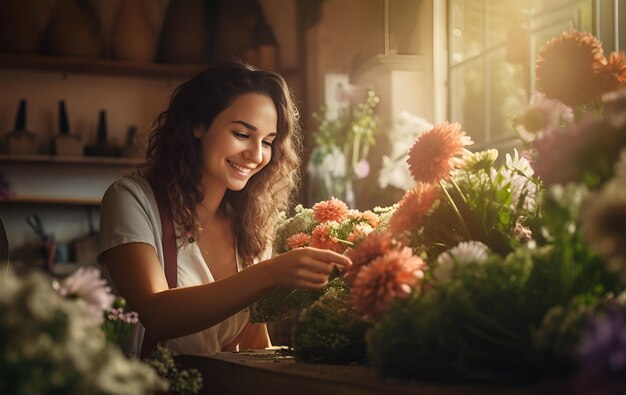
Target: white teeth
[[239, 168]]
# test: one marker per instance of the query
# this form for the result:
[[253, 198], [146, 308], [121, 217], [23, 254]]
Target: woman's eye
[[240, 135], [267, 143]]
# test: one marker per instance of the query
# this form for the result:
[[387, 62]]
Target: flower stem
[[456, 186], [456, 210], [346, 242]]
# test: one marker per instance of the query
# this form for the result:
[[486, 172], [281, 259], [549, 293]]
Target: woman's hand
[[306, 268]]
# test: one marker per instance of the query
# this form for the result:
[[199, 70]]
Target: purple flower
[[586, 152], [601, 353]]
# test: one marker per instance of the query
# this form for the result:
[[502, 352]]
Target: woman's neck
[[209, 208]]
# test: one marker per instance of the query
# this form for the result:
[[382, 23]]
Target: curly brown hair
[[173, 157]]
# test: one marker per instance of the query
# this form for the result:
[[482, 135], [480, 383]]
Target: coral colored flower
[[438, 151], [373, 246], [570, 68], [366, 216], [388, 277], [321, 237], [330, 210], [298, 240], [360, 232], [616, 67], [413, 208]]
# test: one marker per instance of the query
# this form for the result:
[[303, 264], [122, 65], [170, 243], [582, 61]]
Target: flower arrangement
[[342, 144], [502, 273], [63, 337], [329, 224], [51, 344]]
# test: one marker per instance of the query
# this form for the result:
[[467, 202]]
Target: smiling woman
[[185, 240]]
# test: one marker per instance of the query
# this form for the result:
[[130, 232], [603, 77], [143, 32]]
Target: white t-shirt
[[129, 214]]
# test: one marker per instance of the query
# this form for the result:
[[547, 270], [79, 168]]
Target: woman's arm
[[169, 313]]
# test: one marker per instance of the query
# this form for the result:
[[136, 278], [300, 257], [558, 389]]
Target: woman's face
[[238, 144]]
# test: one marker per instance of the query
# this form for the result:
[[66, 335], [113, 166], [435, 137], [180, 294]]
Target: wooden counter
[[269, 372]]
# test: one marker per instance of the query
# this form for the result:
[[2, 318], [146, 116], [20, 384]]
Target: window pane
[[467, 29], [503, 14], [467, 101], [507, 95]]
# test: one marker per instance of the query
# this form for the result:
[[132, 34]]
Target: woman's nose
[[254, 153]]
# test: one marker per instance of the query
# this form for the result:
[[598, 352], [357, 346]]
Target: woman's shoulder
[[133, 184], [129, 187]]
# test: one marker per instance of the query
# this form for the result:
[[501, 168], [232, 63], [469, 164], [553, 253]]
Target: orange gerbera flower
[[438, 151], [330, 210], [298, 240], [366, 216], [569, 68], [321, 237], [413, 208], [386, 278], [373, 246], [616, 68]]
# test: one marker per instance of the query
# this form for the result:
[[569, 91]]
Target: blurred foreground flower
[[87, 285], [541, 115], [569, 68]]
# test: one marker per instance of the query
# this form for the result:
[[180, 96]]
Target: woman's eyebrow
[[246, 124], [252, 127]]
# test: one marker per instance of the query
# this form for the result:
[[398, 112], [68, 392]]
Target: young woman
[[224, 157]]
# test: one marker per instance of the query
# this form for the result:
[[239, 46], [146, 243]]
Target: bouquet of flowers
[[330, 224]]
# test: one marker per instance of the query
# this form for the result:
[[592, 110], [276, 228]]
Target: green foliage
[[481, 325], [182, 381], [560, 331], [352, 130], [330, 330], [301, 222]]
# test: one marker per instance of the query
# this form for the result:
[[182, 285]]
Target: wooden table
[[269, 372]]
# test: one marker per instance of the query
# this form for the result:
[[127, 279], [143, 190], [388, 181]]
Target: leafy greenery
[[182, 381], [330, 330]]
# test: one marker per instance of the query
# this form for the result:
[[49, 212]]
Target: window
[[492, 45]]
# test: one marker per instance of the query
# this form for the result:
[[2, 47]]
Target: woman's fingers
[[329, 256]]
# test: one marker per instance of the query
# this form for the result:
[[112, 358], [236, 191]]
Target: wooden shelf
[[83, 160], [55, 200], [69, 64]]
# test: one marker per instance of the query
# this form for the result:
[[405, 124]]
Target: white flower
[[396, 174], [464, 253], [86, 284], [402, 135], [519, 163]]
